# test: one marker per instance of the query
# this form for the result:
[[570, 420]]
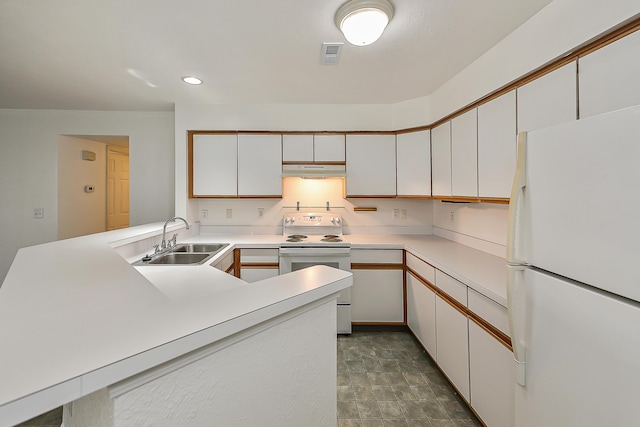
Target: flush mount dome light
[[363, 21], [192, 80]]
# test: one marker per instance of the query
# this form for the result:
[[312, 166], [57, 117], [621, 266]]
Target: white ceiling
[[130, 54]]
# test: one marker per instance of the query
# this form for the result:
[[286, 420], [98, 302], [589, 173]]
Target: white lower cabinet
[[452, 344], [491, 378], [377, 296], [258, 264], [421, 313]]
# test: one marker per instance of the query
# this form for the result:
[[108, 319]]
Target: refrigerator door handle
[[514, 249], [516, 312]]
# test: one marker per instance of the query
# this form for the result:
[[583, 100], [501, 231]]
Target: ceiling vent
[[331, 52]]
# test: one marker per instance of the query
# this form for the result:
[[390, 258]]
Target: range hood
[[313, 170]]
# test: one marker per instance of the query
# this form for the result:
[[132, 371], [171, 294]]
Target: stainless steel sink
[[185, 254], [200, 247], [181, 258]]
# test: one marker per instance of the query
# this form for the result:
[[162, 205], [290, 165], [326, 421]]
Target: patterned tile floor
[[384, 379], [387, 379]]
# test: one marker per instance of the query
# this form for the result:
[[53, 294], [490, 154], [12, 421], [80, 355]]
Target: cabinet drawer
[[452, 287], [376, 256], [250, 255], [489, 310], [422, 268]]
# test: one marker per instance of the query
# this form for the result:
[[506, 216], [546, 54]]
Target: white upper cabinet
[[441, 159], [414, 163], [548, 100], [497, 146], [321, 148], [328, 148], [609, 77], [464, 154], [371, 165], [260, 165], [215, 163], [297, 148]]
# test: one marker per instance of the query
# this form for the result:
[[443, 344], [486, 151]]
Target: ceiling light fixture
[[363, 21], [192, 80]]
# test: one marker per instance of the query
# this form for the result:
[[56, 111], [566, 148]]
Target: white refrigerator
[[573, 256]]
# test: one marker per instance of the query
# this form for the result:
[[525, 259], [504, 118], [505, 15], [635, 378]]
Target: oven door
[[297, 258]]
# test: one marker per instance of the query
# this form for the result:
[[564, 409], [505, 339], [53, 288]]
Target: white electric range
[[314, 238]]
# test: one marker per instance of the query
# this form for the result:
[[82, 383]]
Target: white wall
[[479, 225], [28, 168], [554, 31], [79, 212]]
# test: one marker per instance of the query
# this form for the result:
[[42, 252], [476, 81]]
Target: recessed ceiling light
[[192, 80]]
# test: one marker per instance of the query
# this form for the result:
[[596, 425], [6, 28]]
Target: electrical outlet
[[205, 213], [38, 213], [451, 215], [403, 214], [395, 213], [261, 212], [229, 213]]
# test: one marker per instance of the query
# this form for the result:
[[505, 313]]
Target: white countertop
[[75, 316], [481, 271]]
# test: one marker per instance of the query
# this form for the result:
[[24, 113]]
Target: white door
[[582, 352], [581, 201], [117, 190]]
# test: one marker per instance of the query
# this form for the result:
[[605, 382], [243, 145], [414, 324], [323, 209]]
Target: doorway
[[93, 184]]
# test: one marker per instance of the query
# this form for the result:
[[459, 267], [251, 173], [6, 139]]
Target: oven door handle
[[314, 251]]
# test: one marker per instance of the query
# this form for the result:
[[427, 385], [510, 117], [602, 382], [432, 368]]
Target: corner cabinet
[[371, 165], [414, 164], [228, 165]]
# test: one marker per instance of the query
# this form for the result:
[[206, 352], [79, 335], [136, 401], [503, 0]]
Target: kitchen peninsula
[[76, 318]]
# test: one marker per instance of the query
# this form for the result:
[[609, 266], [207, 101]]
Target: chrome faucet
[[164, 231]]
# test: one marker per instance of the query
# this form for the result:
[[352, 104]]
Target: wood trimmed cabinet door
[[213, 165], [464, 154], [497, 146], [548, 100], [609, 77], [414, 164], [259, 165], [441, 160], [371, 165], [377, 294]]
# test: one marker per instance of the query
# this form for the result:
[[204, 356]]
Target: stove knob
[[337, 220]]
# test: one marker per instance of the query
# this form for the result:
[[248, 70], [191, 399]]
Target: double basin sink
[[185, 254]]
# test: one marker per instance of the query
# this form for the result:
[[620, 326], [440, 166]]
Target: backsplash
[[313, 195]]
